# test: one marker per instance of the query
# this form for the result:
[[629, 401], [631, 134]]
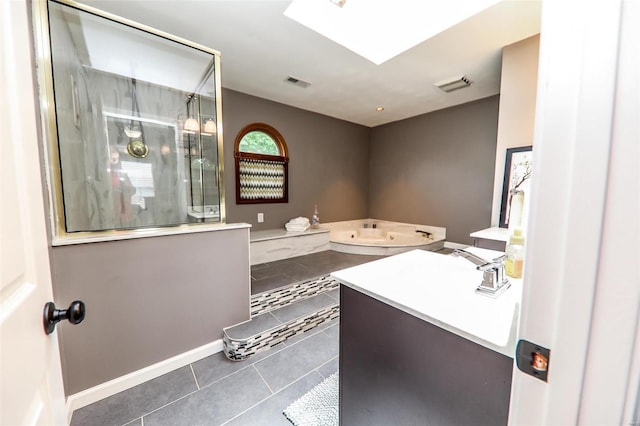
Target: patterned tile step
[[274, 299], [241, 349], [259, 323]]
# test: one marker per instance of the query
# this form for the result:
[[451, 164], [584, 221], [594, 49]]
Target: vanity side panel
[[398, 369]]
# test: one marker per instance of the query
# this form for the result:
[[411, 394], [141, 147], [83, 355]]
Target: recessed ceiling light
[[381, 29], [380, 108]]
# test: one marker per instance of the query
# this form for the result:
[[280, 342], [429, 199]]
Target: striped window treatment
[[261, 179], [262, 162]]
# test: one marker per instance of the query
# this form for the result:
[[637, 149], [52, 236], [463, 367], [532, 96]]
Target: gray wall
[[153, 298], [147, 299], [436, 169], [328, 166]]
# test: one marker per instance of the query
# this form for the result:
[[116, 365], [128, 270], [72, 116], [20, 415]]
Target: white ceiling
[[261, 47]]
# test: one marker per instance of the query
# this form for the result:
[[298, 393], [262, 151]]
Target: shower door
[[134, 137]]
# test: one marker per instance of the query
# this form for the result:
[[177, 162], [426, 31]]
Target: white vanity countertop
[[495, 233], [440, 289]]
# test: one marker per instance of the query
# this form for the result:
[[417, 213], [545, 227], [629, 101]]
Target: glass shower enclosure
[[133, 122]]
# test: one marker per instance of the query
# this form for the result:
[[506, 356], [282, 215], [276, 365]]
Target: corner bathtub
[[381, 237]]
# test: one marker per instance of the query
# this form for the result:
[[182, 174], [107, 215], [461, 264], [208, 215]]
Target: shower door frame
[[50, 153]]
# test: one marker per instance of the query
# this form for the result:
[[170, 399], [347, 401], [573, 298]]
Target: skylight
[[378, 30]]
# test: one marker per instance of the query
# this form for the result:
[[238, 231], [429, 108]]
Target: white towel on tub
[[298, 224]]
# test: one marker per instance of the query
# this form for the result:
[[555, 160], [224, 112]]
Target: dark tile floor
[[216, 391]]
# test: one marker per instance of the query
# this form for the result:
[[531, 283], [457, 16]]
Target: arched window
[[262, 162]]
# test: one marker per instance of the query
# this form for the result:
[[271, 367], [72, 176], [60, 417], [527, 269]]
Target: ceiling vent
[[455, 83], [298, 82]]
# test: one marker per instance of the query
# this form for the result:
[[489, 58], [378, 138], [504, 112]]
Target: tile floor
[[216, 391]]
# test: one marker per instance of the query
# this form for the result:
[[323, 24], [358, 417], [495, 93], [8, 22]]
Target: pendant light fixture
[[209, 127], [132, 130], [191, 124], [136, 146]]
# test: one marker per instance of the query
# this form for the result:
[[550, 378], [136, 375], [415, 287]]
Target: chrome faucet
[[494, 280]]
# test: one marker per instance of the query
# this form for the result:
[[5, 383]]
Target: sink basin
[[441, 289]]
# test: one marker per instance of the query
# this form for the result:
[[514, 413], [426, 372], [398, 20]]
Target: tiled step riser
[[268, 301], [241, 349], [238, 349]]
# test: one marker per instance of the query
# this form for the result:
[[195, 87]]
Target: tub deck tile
[[302, 268]]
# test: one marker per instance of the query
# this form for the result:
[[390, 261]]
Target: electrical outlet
[[260, 217]]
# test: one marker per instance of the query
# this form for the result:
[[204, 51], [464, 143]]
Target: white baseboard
[[451, 245], [112, 387]]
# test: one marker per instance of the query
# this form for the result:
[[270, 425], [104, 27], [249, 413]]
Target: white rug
[[318, 407]]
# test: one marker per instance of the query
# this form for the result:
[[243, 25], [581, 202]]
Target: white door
[[31, 390], [582, 284]]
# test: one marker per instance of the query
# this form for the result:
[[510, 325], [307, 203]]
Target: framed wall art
[[516, 183]]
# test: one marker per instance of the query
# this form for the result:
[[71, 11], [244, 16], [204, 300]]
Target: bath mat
[[318, 407]]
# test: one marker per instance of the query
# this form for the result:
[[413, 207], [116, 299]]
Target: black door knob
[[75, 314]]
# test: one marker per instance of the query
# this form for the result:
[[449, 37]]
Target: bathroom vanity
[[491, 238], [419, 346]]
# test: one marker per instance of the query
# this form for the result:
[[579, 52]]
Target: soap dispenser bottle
[[514, 263], [315, 219]]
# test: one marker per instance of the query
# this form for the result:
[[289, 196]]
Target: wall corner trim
[[119, 384]]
